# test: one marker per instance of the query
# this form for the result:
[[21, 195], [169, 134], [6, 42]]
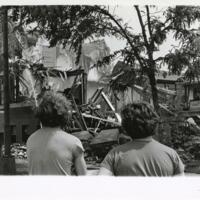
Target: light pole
[[7, 162], [6, 85]]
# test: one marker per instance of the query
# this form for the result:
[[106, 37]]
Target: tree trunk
[[154, 90]]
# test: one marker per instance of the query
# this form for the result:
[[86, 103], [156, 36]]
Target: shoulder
[[33, 136], [72, 141], [157, 144], [120, 148], [112, 156], [175, 158], [168, 150], [70, 137]]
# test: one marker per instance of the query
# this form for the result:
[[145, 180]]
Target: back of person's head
[[53, 109], [139, 120]]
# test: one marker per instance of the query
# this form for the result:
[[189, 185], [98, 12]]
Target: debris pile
[[185, 139], [96, 124], [19, 151], [98, 114]]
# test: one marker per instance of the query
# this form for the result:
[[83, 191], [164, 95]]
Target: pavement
[[22, 169]]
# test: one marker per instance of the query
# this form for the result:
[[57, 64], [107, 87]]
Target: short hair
[[53, 109], [139, 120]]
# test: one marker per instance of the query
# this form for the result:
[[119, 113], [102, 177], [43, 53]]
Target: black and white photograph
[[99, 90]]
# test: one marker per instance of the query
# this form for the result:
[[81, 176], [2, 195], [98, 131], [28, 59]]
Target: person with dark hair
[[50, 150], [143, 156]]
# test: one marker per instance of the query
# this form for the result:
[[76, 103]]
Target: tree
[[187, 55], [142, 47], [64, 24], [75, 24]]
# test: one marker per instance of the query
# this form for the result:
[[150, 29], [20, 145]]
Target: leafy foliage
[[65, 24], [181, 18], [186, 55], [74, 24], [176, 61], [14, 47], [123, 78]]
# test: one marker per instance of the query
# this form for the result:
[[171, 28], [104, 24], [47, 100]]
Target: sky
[[128, 14]]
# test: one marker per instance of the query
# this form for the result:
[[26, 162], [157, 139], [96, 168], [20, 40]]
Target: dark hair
[[139, 120], [53, 109]]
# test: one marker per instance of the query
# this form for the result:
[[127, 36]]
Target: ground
[[21, 167]]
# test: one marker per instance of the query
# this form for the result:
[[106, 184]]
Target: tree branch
[[150, 30], [123, 34], [149, 22], [142, 26], [146, 43]]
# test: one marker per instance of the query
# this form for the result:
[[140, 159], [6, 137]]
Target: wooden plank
[[100, 119]]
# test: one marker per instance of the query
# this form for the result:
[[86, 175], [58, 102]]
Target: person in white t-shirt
[[143, 156], [50, 150]]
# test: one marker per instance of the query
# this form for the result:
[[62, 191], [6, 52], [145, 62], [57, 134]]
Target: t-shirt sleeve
[[78, 147], [108, 162], [178, 164]]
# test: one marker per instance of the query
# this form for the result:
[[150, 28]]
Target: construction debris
[[19, 151]]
